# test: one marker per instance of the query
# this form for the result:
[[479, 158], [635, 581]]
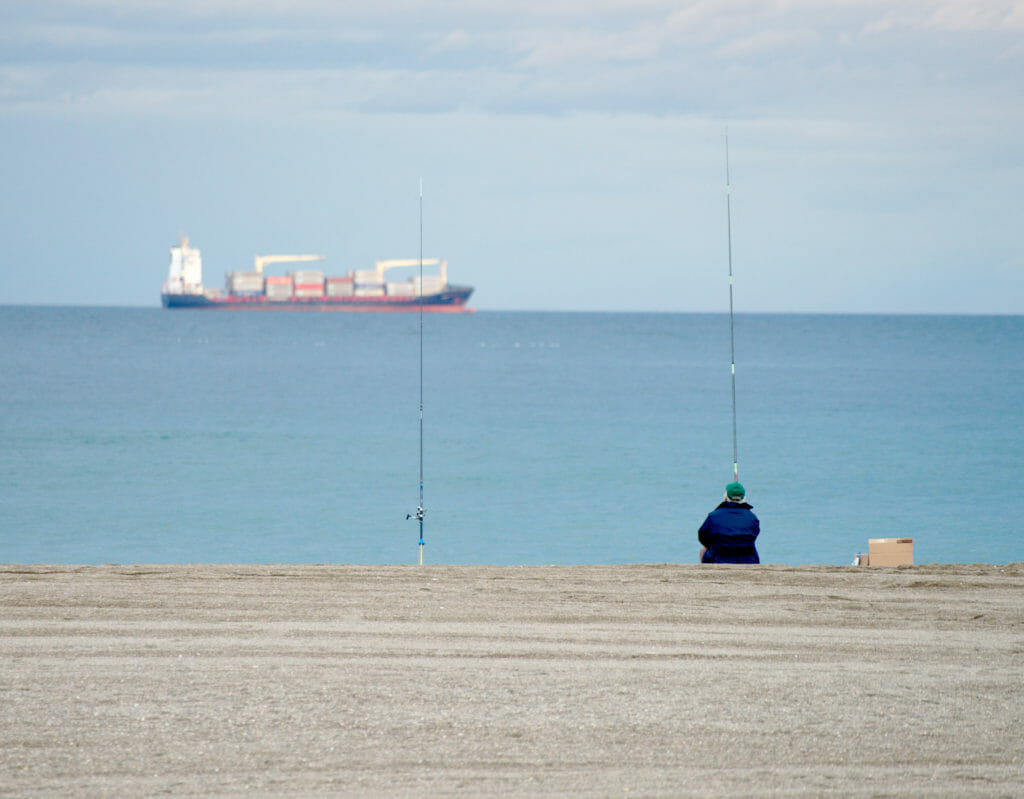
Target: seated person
[[729, 531]]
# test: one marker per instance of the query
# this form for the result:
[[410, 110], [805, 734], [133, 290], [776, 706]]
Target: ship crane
[[384, 266], [260, 260]]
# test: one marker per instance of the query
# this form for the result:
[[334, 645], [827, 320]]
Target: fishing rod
[[420, 512], [732, 327]]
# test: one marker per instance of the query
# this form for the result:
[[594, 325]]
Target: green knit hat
[[735, 491]]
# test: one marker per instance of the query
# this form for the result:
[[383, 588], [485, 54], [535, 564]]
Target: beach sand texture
[[635, 680]]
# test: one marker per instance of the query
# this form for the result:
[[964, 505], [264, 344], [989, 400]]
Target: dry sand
[[658, 680]]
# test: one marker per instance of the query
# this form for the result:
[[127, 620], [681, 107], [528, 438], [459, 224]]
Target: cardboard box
[[891, 551]]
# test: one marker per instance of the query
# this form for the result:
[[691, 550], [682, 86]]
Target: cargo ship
[[311, 289]]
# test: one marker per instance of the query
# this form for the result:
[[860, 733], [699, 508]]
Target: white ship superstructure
[[185, 275]]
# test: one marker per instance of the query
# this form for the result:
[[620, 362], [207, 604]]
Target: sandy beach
[[645, 680]]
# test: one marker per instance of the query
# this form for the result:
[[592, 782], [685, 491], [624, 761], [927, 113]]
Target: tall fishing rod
[[732, 327], [420, 512]]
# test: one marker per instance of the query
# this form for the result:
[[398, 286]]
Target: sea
[[142, 435]]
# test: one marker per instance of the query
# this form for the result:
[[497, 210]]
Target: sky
[[572, 154]]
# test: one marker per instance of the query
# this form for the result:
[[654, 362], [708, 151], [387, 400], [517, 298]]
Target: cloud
[[997, 16], [457, 40], [769, 42], [727, 58], [586, 48]]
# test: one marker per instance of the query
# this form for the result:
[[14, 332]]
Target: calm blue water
[[145, 435]]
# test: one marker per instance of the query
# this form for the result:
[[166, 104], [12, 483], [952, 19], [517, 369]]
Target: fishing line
[[732, 327]]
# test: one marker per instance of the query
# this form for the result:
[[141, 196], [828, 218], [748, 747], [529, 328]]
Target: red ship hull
[[453, 300]]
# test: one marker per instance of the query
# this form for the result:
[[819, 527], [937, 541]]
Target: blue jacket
[[729, 533]]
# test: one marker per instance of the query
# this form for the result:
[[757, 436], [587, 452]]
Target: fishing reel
[[420, 513]]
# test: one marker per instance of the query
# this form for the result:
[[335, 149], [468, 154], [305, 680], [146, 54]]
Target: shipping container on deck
[[431, 285], [368, 277], [309, 289], [279, 288], [339, 287], [369, 291], [304, 277], [404, 289], [244, 283]]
